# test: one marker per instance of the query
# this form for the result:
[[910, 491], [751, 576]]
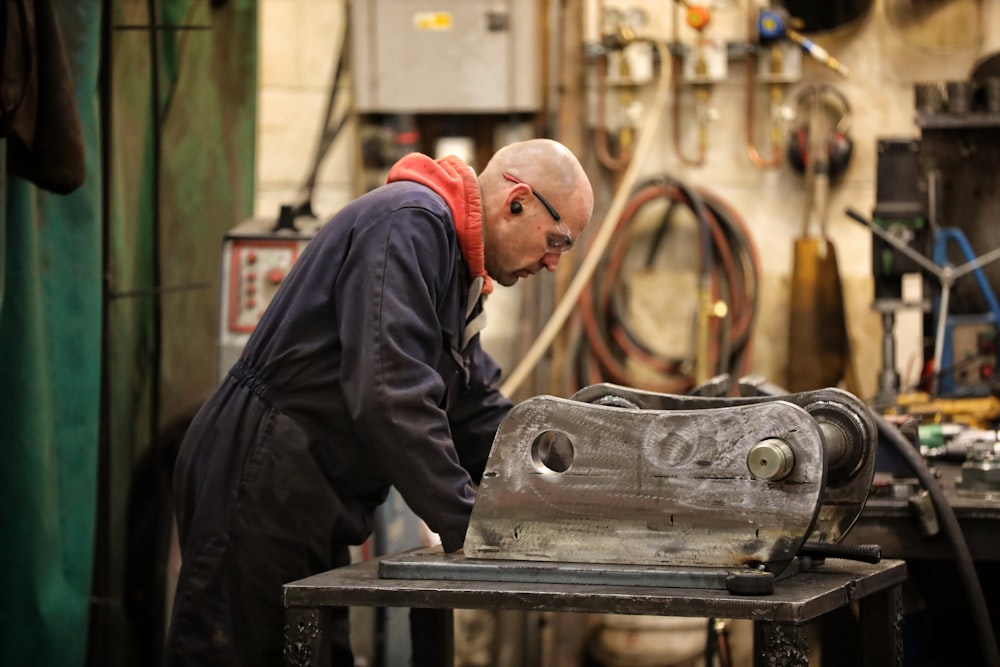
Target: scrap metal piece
[[578, 482]]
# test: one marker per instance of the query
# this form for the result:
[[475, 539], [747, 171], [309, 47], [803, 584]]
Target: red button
[[275, 276]]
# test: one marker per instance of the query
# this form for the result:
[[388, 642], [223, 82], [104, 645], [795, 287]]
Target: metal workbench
[[893, 523], [780, 618], [936, 598]]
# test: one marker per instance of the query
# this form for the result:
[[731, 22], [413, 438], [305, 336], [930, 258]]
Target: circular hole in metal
[[552, 451]]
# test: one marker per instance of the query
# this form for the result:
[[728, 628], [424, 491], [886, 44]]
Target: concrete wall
[[299, 43], [299, 40]]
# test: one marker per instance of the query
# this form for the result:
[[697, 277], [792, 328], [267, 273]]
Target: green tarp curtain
[[197, 171], [108, 321], [50, 341]]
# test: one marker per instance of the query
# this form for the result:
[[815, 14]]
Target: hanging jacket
[[38, 112]]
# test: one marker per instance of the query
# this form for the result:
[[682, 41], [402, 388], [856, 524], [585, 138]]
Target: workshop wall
[[886, 52], [299, 44]]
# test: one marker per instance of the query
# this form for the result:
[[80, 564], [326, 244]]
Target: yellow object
[[818, 344], [708, 309], [433, 21], [818, 52], [979, 412]]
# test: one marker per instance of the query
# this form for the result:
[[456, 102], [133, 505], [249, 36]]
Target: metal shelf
[[966, 121]]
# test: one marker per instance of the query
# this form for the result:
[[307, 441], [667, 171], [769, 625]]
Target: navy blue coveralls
[[355, 379]]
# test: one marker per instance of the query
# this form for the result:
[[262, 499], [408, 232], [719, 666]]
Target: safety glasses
[[559, 242]]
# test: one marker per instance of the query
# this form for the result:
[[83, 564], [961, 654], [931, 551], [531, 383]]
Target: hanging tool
[[765, 36], [818, 347], [697, 18], [818, 52], [616, 42], [775, 24]]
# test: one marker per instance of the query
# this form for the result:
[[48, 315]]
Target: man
[[366, 371]]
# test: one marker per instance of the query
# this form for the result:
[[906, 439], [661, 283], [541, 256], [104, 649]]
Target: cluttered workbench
[[936, 254], [897, 518], [952, 554]]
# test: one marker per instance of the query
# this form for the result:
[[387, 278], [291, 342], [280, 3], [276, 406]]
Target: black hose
[[864, 553], [711, 638], [949, 522], [728, 260]]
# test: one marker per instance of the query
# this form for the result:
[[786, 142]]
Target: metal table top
[[797, 599]]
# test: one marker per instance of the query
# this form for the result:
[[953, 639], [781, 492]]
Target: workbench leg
[[780, 645], [881, 617], [304, 637], [432, 637]]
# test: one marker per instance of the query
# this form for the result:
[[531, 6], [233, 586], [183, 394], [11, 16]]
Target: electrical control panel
[[448, 56], [257, 268], [256, 258]]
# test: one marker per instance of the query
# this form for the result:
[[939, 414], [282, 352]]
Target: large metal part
[[850, 440], [621, 476]]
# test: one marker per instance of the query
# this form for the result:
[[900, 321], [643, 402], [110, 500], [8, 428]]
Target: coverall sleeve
[[478, 414], [388, 294]]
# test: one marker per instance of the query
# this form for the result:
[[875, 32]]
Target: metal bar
[[881, 616], [780, 645], [160, 26], [917, 257], [942, 321], [304, 631], [420, 565]]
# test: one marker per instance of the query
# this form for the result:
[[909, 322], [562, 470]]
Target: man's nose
[[551, 260]]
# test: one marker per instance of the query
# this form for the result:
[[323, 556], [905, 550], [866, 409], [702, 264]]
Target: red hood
[[456, 183]]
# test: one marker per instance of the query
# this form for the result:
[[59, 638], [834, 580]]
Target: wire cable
[[728, 268], [329, 130]]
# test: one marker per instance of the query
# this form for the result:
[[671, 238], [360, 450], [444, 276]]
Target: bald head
[[548, 166]]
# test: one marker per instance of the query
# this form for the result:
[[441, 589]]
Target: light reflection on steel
[[621, 476]]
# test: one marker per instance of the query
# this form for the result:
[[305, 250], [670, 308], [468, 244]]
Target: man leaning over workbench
[[365, 372]]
